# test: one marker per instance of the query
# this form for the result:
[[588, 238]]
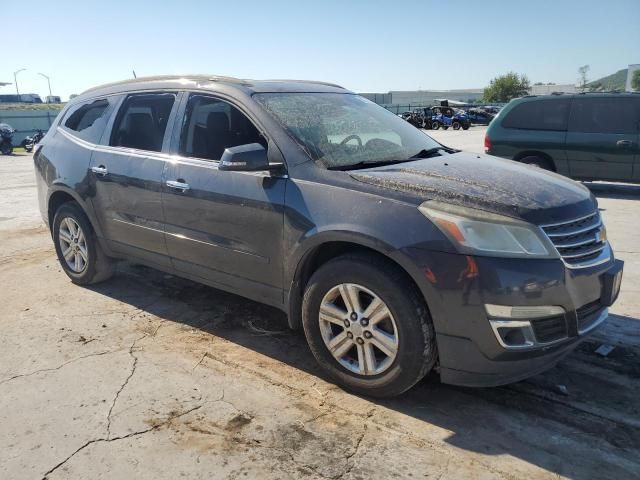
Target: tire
[[407, 317], [465, 127], [456, 125], [94, 266], [6, 149], [435, 125], [539, 162], [445, 127]]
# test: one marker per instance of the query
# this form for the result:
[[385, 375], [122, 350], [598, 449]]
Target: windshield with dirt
[[343, 131]]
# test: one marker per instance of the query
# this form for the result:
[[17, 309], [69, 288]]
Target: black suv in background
[[393, 252], [589, 136]]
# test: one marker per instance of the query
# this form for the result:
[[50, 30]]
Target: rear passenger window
[[211, 125], [88, 120], [142, 121], [538, 115], [604, 115]]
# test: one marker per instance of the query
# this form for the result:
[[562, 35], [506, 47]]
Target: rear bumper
[[458, 290]]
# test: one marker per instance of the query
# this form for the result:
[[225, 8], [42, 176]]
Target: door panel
[[128, 176], [227, 227], [128, 202], [602, 139]]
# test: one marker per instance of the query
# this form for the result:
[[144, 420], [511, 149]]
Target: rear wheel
[[539, 162], [435, 125], [368, 326], [79, 252], [456, 125]]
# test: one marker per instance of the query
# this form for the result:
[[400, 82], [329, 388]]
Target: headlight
[[477, 232]]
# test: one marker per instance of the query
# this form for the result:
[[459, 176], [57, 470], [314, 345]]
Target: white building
[[549, 89]]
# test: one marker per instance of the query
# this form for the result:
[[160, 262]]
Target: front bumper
[[458, 288]]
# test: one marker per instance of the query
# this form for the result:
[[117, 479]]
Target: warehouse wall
[[26, 122]]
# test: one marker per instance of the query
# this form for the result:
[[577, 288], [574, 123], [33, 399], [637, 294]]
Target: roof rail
[[305, 81], [212, 78], [606, 91]]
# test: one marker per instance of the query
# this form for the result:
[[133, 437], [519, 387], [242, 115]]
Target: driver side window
[[211, 125]]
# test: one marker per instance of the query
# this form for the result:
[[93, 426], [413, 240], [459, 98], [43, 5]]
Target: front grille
[[549, 329], [579, 242]]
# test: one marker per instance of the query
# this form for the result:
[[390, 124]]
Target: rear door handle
[[624, 143], [178, 185], [100, 170]]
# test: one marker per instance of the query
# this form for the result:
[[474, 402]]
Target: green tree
[[506, 87], [635, 81]]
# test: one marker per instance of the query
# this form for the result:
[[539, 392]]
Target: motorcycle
[[6, 136], [30, 142]]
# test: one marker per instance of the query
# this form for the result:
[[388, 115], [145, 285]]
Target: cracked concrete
[[151, 376]]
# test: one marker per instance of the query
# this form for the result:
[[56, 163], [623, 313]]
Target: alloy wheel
[[358, 329], [73, 245]]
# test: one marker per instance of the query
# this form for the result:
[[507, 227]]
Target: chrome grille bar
[[579, 242]]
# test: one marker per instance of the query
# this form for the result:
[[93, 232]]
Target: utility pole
[[15, 79], [48, 81]]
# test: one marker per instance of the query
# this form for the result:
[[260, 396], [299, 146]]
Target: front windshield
[[341, 130]]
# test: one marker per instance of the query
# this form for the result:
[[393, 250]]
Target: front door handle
[[178, 185], [624, 143], [100, 170]]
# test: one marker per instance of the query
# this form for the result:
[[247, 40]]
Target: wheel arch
[[537, 153], [330, 247], [62, 195]]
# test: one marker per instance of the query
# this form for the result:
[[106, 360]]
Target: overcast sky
[[367, 46]]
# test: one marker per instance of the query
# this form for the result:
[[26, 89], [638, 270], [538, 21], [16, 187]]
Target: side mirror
[[245, 158]]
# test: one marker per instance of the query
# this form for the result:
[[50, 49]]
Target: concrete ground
[[151, 376]]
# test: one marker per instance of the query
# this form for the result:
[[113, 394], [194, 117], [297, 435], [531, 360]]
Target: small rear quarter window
[[539, 115], [88, 120]]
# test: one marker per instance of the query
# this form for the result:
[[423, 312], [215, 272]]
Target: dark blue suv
[[394, 253]]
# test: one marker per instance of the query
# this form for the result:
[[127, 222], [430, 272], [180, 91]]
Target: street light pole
[[15, 79], [48, 81]]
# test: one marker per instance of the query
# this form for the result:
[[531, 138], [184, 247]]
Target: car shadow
[[528, 420]]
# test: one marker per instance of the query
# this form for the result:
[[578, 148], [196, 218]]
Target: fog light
[[512, 324], [513, 333], [517, 312]]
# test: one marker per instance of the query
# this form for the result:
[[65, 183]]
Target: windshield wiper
[[367, 164], [429, 152]]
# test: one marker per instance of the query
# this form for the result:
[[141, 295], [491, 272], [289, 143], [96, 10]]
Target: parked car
[[591, 136], [479, 116], [391, 251]]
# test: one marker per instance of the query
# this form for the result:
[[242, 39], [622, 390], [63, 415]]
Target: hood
[[487, 183]]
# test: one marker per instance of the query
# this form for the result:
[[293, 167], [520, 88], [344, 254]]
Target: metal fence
[[27, 122]]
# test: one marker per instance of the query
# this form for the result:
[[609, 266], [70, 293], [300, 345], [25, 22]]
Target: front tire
[[435, 125], [368, 326], [456, 125], [77, 247]]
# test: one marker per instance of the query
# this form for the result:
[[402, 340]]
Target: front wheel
[[77, 247], [456, 125], [435, 125], [368, 326]]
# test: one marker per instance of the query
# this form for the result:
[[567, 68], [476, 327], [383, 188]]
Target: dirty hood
[[487, 183]]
